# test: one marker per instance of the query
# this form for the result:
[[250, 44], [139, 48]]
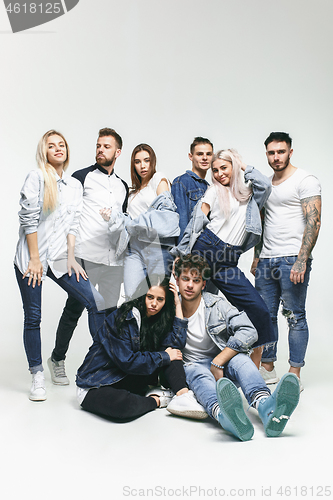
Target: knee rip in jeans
[[287, 313]]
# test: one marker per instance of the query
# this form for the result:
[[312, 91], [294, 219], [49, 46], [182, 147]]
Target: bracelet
[[217, 366]]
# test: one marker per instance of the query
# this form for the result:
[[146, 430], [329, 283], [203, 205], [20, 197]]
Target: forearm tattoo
[[312, 212]]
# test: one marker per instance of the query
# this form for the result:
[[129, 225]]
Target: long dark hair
[[153, 329], [135, 178]]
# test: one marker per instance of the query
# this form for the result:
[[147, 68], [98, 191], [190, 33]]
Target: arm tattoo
[[312, 212]]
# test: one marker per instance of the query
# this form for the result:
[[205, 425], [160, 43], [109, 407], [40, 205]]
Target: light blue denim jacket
[[261, 186], [226, 326], [160, 221]]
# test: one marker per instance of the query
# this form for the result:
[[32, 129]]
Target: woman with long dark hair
[[51, 204], [139, 341], [153, 222]]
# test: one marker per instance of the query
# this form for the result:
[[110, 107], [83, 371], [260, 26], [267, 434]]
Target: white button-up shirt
[[52, 228], [100, 190]]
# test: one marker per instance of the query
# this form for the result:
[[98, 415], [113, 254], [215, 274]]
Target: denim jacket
[[226, 326], [111, 358], [261, 186], [187, 189], [159, 221]]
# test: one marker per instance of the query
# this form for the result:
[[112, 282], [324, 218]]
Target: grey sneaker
[[165, 395], [186, 405], [58, 374], [269, 377], [38, 390]]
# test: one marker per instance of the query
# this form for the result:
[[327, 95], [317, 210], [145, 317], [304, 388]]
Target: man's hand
[[217, 372], [297, 272], [254, 266]]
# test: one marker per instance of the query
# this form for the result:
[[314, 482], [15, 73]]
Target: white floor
[[53, 449]]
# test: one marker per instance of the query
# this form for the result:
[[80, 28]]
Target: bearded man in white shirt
[[282, 266], [102, 188]]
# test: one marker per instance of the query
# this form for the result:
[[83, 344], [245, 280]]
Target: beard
[[280, 167], [105, 162]]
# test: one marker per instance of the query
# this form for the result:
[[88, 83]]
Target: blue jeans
[[81, 290], [274, 285], [146, 258], [223, 259], [109, 279], [240, 370]]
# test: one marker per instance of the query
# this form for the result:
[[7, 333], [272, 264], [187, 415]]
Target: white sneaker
[[58, 374], [38, 390], [269, 377], [186, 405], [165, 395]]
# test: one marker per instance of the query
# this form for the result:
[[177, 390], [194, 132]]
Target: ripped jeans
[[274, 285]]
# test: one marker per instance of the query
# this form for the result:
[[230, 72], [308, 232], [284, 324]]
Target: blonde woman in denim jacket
[[51, 203], [226, 223]]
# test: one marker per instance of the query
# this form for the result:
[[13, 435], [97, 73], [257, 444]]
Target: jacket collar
[[196, 177]]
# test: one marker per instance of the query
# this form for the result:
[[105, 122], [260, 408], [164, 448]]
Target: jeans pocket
[[290, 260]]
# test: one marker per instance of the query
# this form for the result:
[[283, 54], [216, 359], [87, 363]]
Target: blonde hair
[[236, 187], [50, 183]]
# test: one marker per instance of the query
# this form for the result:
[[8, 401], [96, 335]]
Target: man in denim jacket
[[219, 339], [187, 189]]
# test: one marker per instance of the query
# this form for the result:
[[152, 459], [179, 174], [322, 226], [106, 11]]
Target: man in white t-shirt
[[291, 226], [102, 188], [216, 361]]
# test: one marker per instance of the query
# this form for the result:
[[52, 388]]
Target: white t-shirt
[[284, 219], [232, 229], [199, 345], [139, 202]]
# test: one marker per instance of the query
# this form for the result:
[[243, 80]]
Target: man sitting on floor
[[219, 339]]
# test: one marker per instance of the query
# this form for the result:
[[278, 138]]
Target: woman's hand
[[178, 305], [35, 271], [105, 213], [175, 354], [243, 166], [78, 270]]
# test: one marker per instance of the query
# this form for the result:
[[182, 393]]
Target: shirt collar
[[101, 169], [62, 179]]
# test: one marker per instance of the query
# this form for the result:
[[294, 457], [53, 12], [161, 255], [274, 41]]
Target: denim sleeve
[[176, 338], [129, 358], [241, 330], [261, 185], [179, 193], [31, 206]]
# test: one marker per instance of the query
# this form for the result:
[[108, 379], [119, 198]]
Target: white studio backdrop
[[163, 72]]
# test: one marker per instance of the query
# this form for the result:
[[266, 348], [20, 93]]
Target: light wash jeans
[[146, 258], [274, 285], [240, 370]]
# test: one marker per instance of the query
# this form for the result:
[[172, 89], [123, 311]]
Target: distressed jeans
[[240, 370], [274, 285]]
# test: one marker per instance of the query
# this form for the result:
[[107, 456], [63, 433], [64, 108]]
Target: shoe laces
[[59, 369], [282, 417], [38, 381]]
